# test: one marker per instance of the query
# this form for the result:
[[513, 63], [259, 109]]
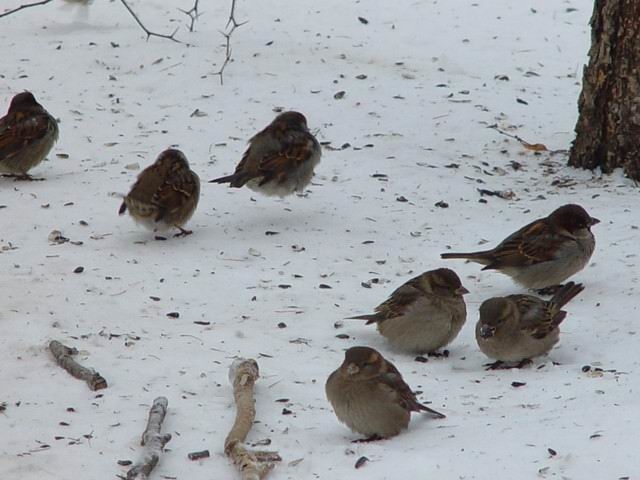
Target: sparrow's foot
[[183, 232], [23, 178], [372, 438], [500, 365], [442, 354], [548, 290]]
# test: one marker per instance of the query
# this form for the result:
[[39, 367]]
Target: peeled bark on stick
[[152, 441], [608, 126], [63, 356], [253, 465]]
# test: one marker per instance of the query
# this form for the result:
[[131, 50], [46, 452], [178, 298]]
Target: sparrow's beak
[[593, 221], [487, 331], [352, 369], [461, 291]]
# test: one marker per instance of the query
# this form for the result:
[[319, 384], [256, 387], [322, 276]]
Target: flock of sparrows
[[423, 315]]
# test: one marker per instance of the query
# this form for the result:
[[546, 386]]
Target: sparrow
[[165, 195], [27, 135], [369, 395], [543, 253], [517, 328], [280, 159], [424, 314]]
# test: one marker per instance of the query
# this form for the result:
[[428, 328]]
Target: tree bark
[[608, 127]]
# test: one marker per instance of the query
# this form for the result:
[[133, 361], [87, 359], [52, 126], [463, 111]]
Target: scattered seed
[[198, 455], [173, 314], [518, 384], [361, 462], [78, 269]]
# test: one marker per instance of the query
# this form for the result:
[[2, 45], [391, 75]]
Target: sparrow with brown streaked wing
[[165, 195], [543, 253], [280, 159], [27, 135], [517, 328], [369, 395], [424, 314]]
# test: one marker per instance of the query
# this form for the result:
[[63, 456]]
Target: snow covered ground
[[423, 81]]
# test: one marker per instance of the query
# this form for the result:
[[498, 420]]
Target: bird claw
[[442, 354], [372, 438], [500, 365], [23, 178], [183, 232]]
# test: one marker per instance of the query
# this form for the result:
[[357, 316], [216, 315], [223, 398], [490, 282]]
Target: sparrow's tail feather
[[227, 179], [484, 257], [370, 318], [565, 295], [430, 411]]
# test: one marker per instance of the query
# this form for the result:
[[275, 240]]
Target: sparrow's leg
[[524, 363], [500, 365], [372, 438], [183, 232]]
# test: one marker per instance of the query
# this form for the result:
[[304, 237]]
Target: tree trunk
[[608, 127]]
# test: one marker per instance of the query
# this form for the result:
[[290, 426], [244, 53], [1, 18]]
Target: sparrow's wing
[[392, 384], [279, 164], [20, 129], [176, 190], [534, 243], [397, 304], [538, 318]]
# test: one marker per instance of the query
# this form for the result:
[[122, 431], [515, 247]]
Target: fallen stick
[[63, 356], [243, 374], [152, 440]]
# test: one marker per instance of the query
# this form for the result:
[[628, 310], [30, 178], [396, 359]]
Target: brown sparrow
[[517, 328], [27, 134], [280, 159], [369, 395], [165, 195], [544, 253], [424, 314]]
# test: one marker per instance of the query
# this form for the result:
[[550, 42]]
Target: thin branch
[[62, 354], [243, 374], [27, 5], [146, 30], [227, 37], [193, 14], [152, 441]]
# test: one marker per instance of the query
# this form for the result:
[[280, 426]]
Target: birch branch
[[63, 356], [243, 374], [152, 441]]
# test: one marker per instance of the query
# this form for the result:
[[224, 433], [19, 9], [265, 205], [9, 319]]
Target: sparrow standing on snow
[[27, 134], [424, 314], [369, 395], [280, 159], [517, 328], [544, 253], [165, 195]]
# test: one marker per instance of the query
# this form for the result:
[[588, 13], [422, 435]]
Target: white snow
[[433, 86]]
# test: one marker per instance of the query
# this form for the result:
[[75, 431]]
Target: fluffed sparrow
[[544, 253], [517, 328], [369, 395], [27, 134], [165, 195], [424, 314], [280, 159]]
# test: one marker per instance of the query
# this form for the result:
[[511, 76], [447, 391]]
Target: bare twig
[[62, 354], [21, 7], [243, 374], [193, 14], [227, 37], [146, 30], [152, 440]]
